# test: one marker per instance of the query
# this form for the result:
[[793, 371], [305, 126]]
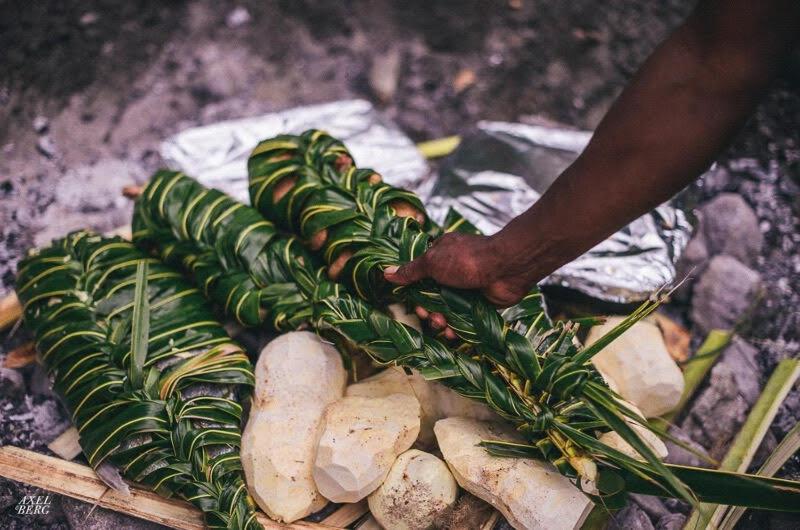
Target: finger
[[421, 312], [438, 321], [411, 272], [449, 333]]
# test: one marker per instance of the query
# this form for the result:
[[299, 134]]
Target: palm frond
[[148, 374]]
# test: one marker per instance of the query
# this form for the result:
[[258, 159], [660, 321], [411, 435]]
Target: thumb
[[411, 272]]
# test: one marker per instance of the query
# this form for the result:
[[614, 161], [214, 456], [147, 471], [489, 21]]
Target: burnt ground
[[88, 89]]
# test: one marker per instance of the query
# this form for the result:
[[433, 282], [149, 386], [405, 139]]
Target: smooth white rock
[[394, 380], [639, 367], [417, 489], [361, 438], [297, 377], [436, 400], [615, 441], [531, 494]]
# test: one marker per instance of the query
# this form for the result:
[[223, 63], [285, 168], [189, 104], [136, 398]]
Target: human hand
[[468, 262]]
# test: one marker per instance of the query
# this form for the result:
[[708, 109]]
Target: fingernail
[[391, 269]]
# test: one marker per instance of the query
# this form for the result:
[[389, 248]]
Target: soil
[[88, 90]]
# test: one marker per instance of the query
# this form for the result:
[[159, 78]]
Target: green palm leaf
[[148, 374]]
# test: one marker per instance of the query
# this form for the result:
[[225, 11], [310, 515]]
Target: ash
[[89, 89]]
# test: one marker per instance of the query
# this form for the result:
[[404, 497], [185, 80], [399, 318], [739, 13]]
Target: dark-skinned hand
[[467, 262]]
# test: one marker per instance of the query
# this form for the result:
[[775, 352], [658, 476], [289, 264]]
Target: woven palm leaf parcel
[[360, 225], [259, 275], [150, 377]]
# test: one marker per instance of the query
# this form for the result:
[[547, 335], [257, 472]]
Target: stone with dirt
[[632, 517], [726, 292], [691, 455], [731, 227], [721, 408], [417, 490]]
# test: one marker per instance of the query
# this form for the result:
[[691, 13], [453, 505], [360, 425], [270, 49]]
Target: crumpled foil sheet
[[497, 172], [500, 169], [216, 154]]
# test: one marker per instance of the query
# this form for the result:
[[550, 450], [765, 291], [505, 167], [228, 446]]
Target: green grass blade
[[140, 323], [439, 147], [785, 450], [610, 412], [696, 369], [641, 312], [753, 431], [724, 487]]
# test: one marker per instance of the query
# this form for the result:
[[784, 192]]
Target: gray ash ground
[[89, 89]]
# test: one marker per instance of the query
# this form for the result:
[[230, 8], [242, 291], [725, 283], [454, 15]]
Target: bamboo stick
[[80, 482]]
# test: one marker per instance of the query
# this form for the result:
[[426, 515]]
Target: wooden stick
[[80, 482], [22, 356], [347, 514], [10, 310], [132, 191]]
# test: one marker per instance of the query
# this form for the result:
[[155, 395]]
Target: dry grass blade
[[785, 450]]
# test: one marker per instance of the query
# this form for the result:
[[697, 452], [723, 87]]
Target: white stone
[[531, 494], [297, 377], [615, 441], [418, 488], [360, 440], [452, 404], [638, 366], [436, 400]]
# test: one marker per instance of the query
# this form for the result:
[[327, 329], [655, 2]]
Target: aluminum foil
[[500, 169], [216, 154], [497, 172]]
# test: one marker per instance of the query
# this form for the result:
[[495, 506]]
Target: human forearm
[[679, 111]]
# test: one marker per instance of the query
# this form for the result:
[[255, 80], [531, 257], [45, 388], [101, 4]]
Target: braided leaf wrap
[[561, 430], [364, 219], [361, 225], [176, 431], [283, 267]]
